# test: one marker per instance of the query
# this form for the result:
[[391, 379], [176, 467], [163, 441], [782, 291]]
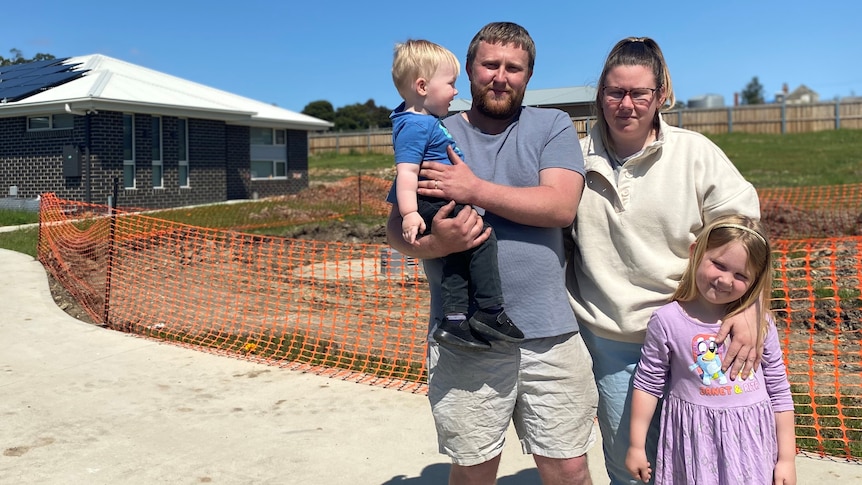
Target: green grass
[[329, 167], [352, 161], [21, 240], [837, 422], [792, 160], [795, 160], [17, 217]]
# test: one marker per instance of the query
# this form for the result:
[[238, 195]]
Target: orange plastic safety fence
[[812, 212], [359, 312], [352, 311], [818, 308]]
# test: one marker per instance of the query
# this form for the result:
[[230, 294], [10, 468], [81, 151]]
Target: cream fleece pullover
[[633, 230]]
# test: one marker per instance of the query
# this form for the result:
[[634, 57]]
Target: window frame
[[274, 166], [277, 137], [183, 156], [129, 164], [51, 122], [157, 137]]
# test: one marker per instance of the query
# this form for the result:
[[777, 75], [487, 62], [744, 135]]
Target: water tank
[[706, 101]]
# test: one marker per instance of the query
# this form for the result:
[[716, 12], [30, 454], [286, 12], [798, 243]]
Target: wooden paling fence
[[758, 118], [358, 311]]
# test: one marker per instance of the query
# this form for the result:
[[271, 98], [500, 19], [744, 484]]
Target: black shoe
[[456, 333], [496, 326]]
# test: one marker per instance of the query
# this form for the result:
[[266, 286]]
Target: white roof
[[543, 97], [114, 85]]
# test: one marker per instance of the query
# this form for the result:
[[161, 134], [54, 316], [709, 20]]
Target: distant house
[[801, 95], [577, 101], [73, 126]]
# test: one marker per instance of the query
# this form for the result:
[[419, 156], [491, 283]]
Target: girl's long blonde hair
[[750, 233]]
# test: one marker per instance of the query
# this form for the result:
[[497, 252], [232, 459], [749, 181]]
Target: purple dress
[[713, 430]]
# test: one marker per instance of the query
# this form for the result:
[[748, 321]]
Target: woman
[[650, 190]]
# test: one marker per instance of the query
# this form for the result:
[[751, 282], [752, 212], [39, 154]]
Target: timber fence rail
[[358, 311], [758, 118]]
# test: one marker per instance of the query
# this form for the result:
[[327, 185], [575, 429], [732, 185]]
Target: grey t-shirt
[[531, 259]]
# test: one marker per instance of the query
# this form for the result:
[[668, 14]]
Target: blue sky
[[293, 53]]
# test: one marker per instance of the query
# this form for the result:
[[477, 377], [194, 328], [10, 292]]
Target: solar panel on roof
[[19, 81], [29, 66]]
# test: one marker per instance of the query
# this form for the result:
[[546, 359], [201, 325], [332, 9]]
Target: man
[[526, 173]]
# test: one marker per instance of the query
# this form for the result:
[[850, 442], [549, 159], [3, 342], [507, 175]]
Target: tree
[[358, 116], [321, 109], [378, 116], [18, 58], [753, 92], [361, 116]]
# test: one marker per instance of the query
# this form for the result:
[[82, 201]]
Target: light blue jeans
[[614, 365]]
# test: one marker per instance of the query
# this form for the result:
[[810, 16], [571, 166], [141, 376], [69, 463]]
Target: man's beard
[[499, 109]]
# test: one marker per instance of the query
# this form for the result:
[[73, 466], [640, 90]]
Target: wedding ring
[[435, 185]]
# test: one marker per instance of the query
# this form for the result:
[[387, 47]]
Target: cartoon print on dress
[[707, 361]]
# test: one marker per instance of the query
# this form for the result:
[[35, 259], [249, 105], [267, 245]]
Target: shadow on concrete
[[439, 473]]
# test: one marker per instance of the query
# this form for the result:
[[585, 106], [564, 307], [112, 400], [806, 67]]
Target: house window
[[183, 152], [268, 153], [158, 167], [63, 121], [128, 151], [267, 136], [267, 169], [260, 136]]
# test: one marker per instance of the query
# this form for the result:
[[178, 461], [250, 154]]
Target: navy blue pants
[[472, 273]]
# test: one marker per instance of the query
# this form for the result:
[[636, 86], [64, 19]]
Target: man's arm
[[552, 203], [448, 235]]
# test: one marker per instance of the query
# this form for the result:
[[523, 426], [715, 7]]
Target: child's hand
[[412, 226], [785, 473], [637, 464]]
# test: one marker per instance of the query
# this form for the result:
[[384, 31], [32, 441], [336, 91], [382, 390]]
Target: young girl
[[714, 430]]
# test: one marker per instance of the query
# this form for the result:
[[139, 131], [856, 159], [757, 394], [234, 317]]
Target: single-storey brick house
[[73, 126]]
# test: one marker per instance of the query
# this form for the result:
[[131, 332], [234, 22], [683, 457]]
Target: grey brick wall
[[218, 162]]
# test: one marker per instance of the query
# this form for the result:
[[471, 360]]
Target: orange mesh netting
[[357, 311]]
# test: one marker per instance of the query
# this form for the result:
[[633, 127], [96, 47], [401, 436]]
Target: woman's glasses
[[641, 96]]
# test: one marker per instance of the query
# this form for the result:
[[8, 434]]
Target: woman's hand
[[746, 345]]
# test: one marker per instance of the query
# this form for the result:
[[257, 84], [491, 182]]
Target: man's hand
[[460, 233], [451, 182], [448, 235]]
